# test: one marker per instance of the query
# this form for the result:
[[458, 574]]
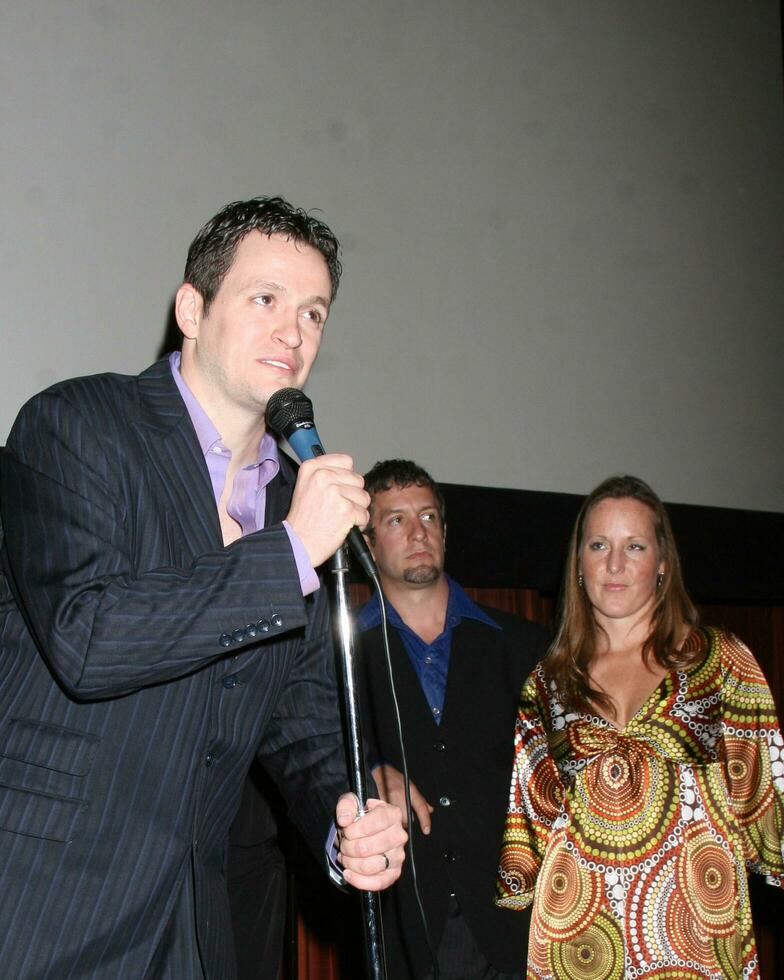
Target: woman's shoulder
[[725, 657], [732, 651], [712, 643]]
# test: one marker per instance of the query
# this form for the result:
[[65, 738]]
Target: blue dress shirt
[[429, 660]]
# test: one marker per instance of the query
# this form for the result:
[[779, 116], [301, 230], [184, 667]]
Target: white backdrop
[[562, 221]]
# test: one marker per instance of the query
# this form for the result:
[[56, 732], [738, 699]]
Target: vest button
[[444, 801], [439, 747], [449, 856]]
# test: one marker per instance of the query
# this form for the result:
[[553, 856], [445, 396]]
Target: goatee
[[422, 575]]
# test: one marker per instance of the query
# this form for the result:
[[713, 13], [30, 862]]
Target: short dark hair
[[400, 473], [212, 251]]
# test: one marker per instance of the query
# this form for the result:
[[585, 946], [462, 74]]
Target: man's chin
[[261, 396], [422, 575], [278, 384]]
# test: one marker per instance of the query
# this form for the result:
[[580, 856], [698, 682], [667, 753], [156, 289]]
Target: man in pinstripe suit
[[162, 625]]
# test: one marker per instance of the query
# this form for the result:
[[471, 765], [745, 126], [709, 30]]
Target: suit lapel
[[279, 492], [173, 452], [172, 448]]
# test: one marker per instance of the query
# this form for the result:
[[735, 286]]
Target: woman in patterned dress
[[649, 769]]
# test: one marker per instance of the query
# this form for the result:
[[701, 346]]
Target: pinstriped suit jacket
[[126, 726]]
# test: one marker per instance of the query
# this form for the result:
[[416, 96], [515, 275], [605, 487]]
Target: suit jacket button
[[449, 856], [276, 620], [263, 625], [444, 801], [238, 636], [225, 640], [209, 759], [439, 747], [230, 681]]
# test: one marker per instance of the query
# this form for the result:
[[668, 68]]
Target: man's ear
[[188, 306]]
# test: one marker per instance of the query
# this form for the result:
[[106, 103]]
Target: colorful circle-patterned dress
[[633, 844]]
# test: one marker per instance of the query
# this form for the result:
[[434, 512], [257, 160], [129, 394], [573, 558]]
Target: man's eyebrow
[[255, 284], [390, 510], [316, 301], [404, 510]]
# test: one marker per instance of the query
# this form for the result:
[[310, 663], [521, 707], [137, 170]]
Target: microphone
[[290, 414]]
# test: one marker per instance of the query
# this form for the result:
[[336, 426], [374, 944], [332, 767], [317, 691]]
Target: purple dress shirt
[[248, 500]]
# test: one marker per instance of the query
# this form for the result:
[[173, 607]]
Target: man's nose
[[418, 530], [287, 330]]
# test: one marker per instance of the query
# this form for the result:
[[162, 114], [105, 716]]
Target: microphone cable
[[406, 780]]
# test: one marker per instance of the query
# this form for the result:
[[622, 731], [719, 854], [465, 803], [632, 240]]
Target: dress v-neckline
[[664, 680], [667, 679]]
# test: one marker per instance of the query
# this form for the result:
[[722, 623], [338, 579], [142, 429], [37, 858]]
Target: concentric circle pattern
[[545, 790], [749, 779], [538, 951], [595, 954], [520, 867], [706, 877], [567, 897], [688, 939], [625, 804], [636, 843]]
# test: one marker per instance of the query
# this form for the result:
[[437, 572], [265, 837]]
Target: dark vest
[[463, 767]]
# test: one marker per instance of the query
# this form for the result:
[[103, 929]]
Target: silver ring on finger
[[386, 862]]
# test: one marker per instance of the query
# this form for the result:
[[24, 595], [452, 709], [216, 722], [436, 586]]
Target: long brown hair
[[568, 662]]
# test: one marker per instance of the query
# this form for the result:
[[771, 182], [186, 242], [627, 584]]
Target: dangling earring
[[580, 579], [659, 580]]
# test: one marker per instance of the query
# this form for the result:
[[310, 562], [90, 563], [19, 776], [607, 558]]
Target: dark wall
[[518, 539]]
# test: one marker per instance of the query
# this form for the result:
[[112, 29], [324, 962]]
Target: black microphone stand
[[371, 907]]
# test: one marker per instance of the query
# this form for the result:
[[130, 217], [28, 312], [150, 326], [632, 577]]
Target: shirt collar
[[459, 606], [206, 433]]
